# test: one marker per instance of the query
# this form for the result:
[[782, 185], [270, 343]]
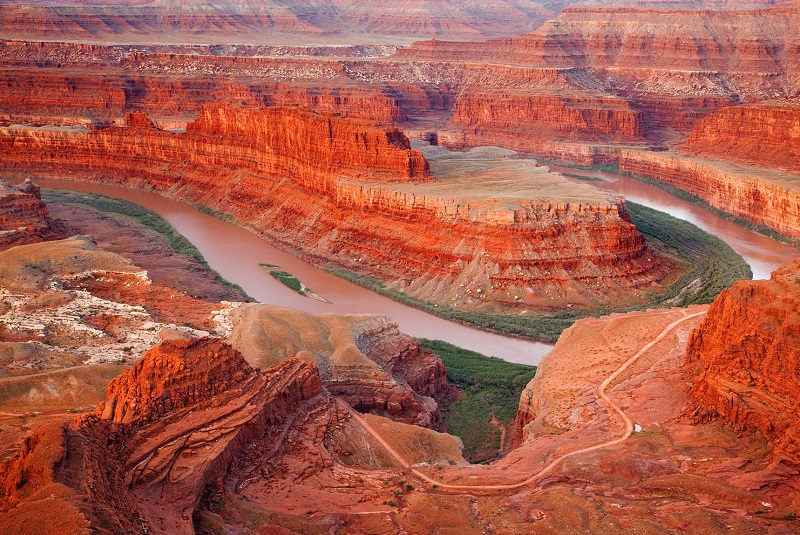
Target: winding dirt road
[[601, 394]]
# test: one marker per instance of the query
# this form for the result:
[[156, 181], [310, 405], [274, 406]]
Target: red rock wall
[[23, 216], [755, 194], [516, 119], [172, 375], [747, 351], [303, 180], [757, 41], [766, 134], [47, 95]]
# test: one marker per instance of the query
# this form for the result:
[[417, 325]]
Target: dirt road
[[601, 394]]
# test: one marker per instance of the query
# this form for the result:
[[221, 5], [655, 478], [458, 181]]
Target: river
[[762, 253], [236, 254]]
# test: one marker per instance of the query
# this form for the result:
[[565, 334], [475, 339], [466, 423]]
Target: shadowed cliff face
[[747, 357], [23, 216]]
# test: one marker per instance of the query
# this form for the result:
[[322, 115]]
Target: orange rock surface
[[747, 360], [144, 474], [765, 134], [53, 95], [364, 360], [229, 21], [757, 194], [323, 187], [23, 215], [509, 119]]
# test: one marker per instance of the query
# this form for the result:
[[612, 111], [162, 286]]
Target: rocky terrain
[[746, 352], [203, 442], [764, 134], [344, 192], [365, 360], [584, 87], [138, 394], [23, 215]]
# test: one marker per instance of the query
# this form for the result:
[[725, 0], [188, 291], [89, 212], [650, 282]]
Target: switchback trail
[[601, 394]]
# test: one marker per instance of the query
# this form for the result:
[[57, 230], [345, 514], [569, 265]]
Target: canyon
[[139, 393], [227, 446], [345, 193]]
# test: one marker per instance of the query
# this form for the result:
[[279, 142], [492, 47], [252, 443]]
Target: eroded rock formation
[[364, 360], [322, 187], [518, 121], [23, 215], [746, 355], [137, 458], [765, 134]]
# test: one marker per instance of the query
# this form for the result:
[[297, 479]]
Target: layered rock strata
[[231, 22], [746, 358], [23, 215], [47, 95], [320, 186], [756, 194], [146, 456], [764, 134], [364, 360], [520, 121]]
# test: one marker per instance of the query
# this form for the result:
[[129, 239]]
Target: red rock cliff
[[307, 181], [757, 194], [187, 409], [23, 215], [517, 121], [747, 353], [766, 134]]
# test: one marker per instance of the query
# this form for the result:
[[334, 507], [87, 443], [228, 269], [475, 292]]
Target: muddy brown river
[[237, 253], [762, 254]]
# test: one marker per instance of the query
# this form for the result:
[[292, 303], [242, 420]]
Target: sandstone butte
[[344, 192], [747, 355]]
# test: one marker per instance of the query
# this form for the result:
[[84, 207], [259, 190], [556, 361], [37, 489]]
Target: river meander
[[237, 254]]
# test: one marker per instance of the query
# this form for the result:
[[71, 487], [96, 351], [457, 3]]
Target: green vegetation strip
[[114, 207], [288, 279], [545, 328], [215, 213], [491, 386], [713, 264]]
